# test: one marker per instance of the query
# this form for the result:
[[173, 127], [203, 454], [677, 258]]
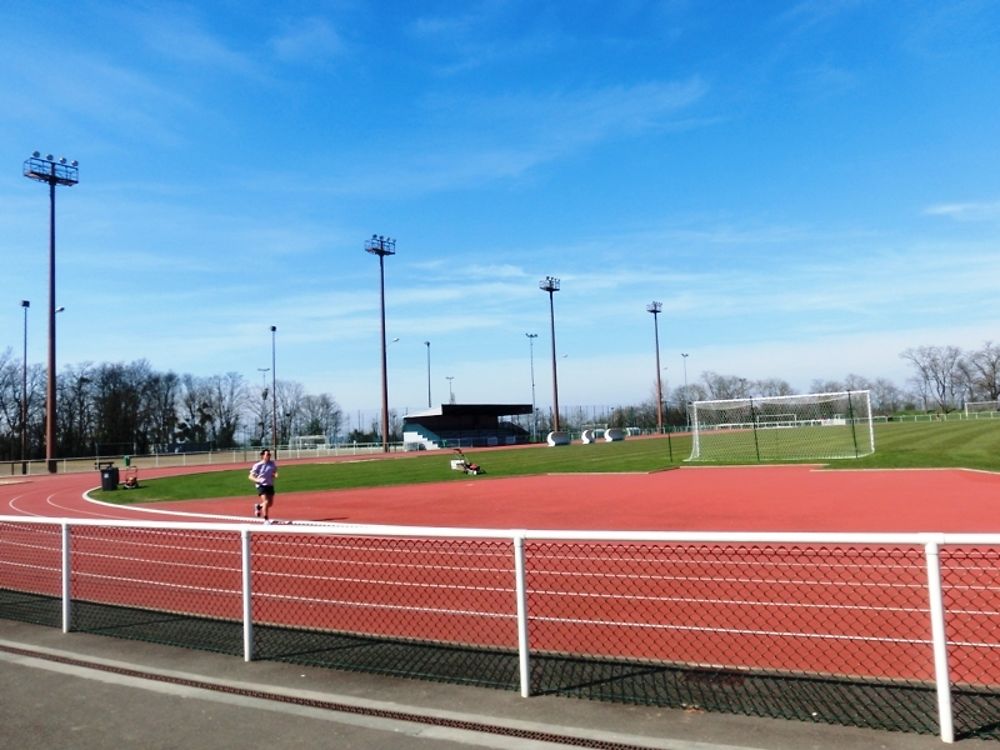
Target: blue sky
[[810, 188]]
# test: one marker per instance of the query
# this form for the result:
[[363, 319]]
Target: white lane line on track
[[12, 504]]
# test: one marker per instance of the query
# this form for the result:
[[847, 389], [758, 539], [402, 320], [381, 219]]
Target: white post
[[247, 595], [66, 578], [939, 640], [524, 666]]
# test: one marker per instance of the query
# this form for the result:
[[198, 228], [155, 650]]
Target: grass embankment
[[970, 444]]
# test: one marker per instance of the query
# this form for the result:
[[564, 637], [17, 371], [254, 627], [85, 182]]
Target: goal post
[[308, 442], [775, 428], [987, 408]]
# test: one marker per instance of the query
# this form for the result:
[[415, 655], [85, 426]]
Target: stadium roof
[[447, 410]]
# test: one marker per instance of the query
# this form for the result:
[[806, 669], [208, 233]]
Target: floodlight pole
[[48, 170], [25, 304], [263, 403], [383, 246], [687, 424], [550, 284], [274, 394], [531, 355], [428, 345], [656, 308]]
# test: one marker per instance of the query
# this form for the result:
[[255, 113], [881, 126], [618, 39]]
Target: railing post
[[67, 576], [247, 595], [939, 639], [520, 587]]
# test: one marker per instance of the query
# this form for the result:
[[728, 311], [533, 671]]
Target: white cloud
[[308, 40], [973, 211]]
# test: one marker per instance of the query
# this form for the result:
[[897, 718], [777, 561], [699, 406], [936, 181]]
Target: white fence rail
[[921, 610]]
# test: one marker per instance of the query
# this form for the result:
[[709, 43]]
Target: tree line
[[131, 408], [119, 408], [944, 379]]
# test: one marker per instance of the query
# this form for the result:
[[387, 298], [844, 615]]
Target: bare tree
[[773, 387], [321, 416], [937, 373], [983, 369], [723, 387], [887, 398]]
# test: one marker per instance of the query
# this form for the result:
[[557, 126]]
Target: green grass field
[[970, 444]]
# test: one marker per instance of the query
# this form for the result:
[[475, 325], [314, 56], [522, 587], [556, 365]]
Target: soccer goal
[[308, 442], [982, 409], [776, 428]]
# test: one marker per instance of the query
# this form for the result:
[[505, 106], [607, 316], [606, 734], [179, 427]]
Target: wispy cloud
[[308, 40], [474, 141], [973, 211], [184, 38]]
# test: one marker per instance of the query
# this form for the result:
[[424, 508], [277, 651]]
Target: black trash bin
[[109, 477]]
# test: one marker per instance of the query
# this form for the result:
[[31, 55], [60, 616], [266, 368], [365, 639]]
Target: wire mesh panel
[[31, 573], [833, 628], [775, 428], [177, 586], [720, 626], [440, 608], [971, 585]]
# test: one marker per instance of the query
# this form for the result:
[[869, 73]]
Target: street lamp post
[[52, 172], [383, 246], [684, 356], [428, 345], [451, 393], [656, 308], [263, 402], [531, 355], [274, 394], [25, 304], [550, 284]]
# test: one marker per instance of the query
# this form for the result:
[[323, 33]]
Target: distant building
[[464, 426]]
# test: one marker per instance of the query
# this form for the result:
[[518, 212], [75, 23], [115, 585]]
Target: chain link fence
[[897, 632]]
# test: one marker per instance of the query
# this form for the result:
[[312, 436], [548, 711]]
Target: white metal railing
[[932, 544]]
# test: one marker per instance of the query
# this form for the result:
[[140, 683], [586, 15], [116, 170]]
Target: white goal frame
[[981, 407], [819, 426]]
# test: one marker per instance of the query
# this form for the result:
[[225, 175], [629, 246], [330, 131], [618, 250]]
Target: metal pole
[[655, 308], [63, 172], [274, 394], [531, 355], [550, 284], [24, 392], [428, 345], [50, 385], [687, 415], [939, 642], [383, 246], [385, 371]]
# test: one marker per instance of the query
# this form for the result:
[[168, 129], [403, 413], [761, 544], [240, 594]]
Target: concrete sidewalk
[[87, 692]]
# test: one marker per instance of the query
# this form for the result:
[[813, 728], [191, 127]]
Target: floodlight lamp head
[[25, 303], [274, 328], [654, 307], [549, 284], [36, 154]]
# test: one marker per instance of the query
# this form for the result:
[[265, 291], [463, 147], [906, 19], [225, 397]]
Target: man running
[[263, 473]]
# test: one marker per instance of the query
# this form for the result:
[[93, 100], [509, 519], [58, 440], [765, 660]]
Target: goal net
[[308, 442], [776, 428], [985, 408]]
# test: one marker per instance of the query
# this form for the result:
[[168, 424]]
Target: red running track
[[785, 498]]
